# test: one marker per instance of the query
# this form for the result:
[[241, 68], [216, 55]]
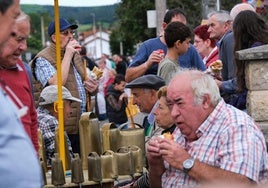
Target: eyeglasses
[[197, 41], [67, 32], [19, 39]]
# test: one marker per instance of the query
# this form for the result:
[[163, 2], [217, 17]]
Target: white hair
[[241, 7], [221, 16], [23, 17], [202, 84]]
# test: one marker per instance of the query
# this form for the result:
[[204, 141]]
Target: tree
[[132, 24]]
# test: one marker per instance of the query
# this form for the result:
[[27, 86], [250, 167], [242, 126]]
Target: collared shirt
[[19, 163], [154, 129], [228, 139], [44, 71], [47, 126]]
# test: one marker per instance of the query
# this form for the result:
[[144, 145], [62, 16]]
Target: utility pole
[[209, 6], [94, 33], [160, 7], [43, 32]]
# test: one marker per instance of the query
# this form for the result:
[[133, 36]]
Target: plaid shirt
[[47, 124], [228, 139], [44, 71]]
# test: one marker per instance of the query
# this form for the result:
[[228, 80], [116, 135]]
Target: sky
[[75, 3]]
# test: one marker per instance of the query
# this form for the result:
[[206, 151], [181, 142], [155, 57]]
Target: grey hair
[[240, 7], [221, 16], [22, 17], [202, 84]]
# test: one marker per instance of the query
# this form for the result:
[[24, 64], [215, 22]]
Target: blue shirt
[[190, 59], [19, 162]]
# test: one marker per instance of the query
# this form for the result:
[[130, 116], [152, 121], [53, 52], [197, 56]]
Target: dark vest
[[49, 53]]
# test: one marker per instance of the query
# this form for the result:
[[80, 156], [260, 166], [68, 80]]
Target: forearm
[[65, 67], [135, 72], [155, 175], [202, 172]]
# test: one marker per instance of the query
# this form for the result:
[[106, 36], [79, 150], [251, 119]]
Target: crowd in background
[[173, 82]]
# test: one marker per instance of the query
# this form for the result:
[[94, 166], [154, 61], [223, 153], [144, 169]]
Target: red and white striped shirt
[[228, 139]]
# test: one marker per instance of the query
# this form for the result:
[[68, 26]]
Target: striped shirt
[[228, 139]]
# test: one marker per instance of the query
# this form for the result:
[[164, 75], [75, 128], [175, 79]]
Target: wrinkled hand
[[155, 159], [153, 151], [173, 153], [73, 46], [91, 85]]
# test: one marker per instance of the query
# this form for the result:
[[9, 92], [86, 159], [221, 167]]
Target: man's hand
[[173, 153], [73, 47], [91, 85], [153, 151], [155, 57], [122, 96]]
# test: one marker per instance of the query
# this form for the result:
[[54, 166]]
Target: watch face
[[188, 165]]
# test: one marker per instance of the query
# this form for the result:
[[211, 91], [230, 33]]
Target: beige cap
[[50, 94]]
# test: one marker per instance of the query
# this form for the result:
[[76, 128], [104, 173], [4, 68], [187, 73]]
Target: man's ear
[[53, 38], [164, 25], [206, 101]]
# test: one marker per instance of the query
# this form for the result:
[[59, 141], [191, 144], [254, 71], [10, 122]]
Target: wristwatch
[[188, 165]]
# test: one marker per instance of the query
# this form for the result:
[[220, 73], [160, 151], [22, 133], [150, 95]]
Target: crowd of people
[[213, 139]]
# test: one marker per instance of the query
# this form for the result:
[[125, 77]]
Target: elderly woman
[[162, 112], [205, 46], [165, 121]]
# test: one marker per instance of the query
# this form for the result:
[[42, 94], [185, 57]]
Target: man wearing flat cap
[[144, 90], [73, 78]]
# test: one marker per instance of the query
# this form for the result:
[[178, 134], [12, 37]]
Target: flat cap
[[149, 81]]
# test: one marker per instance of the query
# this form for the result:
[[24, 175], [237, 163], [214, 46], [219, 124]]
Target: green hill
[[82, 14]]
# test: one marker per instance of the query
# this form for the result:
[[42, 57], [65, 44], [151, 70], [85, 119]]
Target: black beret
[[149, 81]]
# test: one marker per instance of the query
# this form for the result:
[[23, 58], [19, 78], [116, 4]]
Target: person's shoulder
[[156, 39], [192, 50], [229, 37], [152, 41]]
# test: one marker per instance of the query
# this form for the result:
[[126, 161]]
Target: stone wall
[[256, 76]]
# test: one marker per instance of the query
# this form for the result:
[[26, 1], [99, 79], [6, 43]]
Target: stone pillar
[[256, 76]]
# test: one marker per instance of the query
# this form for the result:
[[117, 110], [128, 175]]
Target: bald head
[[240, 7]]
